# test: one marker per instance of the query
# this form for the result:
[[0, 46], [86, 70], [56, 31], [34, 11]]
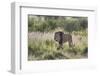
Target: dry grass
[[41, 46]]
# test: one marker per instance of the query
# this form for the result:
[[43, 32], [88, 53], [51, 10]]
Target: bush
[[49, 23]]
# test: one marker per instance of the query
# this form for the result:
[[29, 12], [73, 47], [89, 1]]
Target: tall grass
[[44, 48]]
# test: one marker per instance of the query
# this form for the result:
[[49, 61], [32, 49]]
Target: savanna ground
[[41, 43]]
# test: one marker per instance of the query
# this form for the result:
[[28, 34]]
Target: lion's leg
[[70, 43], [60, 46]]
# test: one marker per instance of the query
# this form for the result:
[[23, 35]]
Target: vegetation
[[41, 44], [48, 23]]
